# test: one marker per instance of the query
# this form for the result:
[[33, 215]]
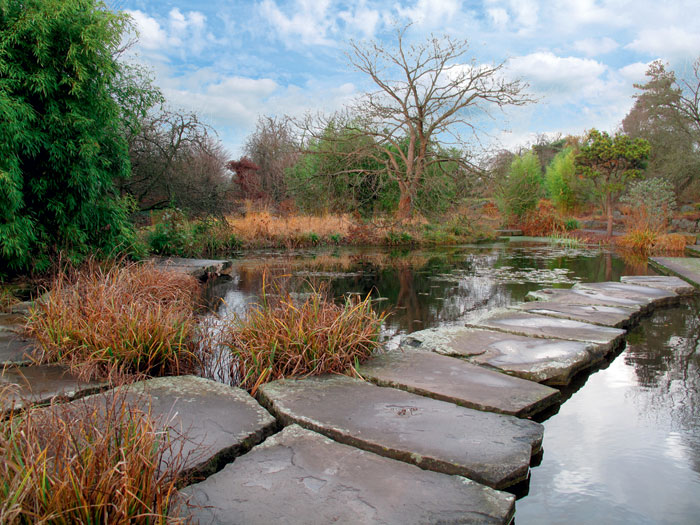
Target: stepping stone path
[[35, 385], [432, 434], [687, 268], [453, 415], [550, 361], [299, 476], [604, 339], [456, 381]]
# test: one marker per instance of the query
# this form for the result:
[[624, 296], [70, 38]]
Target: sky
[[234, 61]]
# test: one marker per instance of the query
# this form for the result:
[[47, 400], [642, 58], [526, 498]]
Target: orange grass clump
[[648, 241], [543, 220], [132, 318], [280, 338], [83, 462]]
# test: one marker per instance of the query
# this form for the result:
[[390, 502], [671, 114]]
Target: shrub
[[571, 224], [561, 182], [543, 220], [651, 202], [175, 235], [279, 338], [133, 318], [522, 188], [87, 463], [647, 241]]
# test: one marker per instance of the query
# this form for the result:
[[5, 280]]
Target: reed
[[87, 462], [280, 337], [131, 318]]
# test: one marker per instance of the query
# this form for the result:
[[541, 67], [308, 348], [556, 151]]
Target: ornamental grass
[[282, 338], [83, 462], [131, 318]]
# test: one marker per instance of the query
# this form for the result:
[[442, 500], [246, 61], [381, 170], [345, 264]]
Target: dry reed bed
[[106, 462], [130, 318]]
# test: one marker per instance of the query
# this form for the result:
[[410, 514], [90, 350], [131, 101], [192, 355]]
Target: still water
[[623, 448]]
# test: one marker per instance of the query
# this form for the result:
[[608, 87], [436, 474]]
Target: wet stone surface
[[432, 434], [584, 296], [219, 421], [550, 361], [642, 294], [299, 476], [665, 282], [614, 316], [604, 338], [14, 348], [40, 384], [688, 268], [456, 381]]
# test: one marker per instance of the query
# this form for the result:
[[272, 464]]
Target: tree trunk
[[405, 210], [609, 206]]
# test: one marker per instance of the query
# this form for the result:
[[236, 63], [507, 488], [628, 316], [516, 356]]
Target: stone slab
[[664, 282], [40, 384], [199, 268], [603, 338], [299, 476], [14, 349], [687, 268], [614, 316], [12, 322], [644, 294], [220, 422], [693, 250], [456, 381], [583, 296], [549, 361], [492, 449]]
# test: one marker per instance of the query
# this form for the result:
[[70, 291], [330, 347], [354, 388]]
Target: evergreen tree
[[61, 132]]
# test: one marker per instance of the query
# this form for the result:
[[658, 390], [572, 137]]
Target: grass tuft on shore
[[282, 338], [83, 462], [128, 318]]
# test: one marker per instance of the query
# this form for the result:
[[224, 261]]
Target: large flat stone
[[603, 338], [34, 385], [584, 296], [199, 268], [643, 294], [456, 381], [550, 361], [615, 316], [687, 268], [493, 449], [14, 348], [670, 283], [693, 250], [220, 422], [299, 476]]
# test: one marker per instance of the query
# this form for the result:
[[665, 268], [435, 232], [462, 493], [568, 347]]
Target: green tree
[[610, 162], [61, 132], [663, 116], [520, 191]]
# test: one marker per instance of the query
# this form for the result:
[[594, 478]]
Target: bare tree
[[273, 149], [426, 96], [176, 160]]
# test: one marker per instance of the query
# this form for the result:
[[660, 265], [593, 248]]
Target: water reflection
[[626, 448]]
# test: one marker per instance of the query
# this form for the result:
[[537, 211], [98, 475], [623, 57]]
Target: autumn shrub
[[135, 318], [87, 462], [280, 337], [542, 220], [647, 241]]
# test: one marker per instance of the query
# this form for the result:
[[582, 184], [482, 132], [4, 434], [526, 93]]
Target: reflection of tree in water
[[665, 353]]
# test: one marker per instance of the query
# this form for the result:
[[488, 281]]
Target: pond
[[623, 448]]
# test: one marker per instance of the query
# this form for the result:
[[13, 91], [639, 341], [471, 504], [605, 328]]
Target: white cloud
[[361, 19], [499, 16], [310, 21], [596, 46], [151, 35], [634, 73], [176, 32], [548, 73], [430, 13], [667, 41]]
